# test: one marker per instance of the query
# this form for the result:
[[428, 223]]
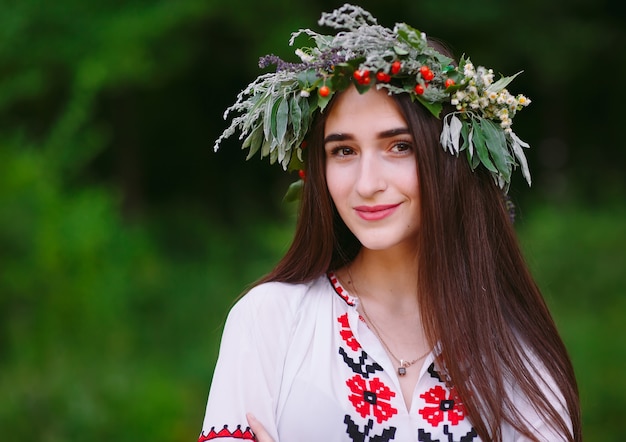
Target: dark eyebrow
[[394, 132], [381, 135], [337, 137]]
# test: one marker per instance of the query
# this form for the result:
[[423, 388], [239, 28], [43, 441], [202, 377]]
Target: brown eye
[[341, 151], [402, 146]]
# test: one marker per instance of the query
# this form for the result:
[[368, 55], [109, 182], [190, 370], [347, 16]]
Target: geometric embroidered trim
[[349, 299], [224, 432]]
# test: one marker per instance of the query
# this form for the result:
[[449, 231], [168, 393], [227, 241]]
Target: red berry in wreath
[[395, 67], [324, 91], [302, 174], [427, 74], [382, 77], [362, 77], [419, 89], [449, 82]]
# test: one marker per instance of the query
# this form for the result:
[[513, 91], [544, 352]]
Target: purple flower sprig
[[281, 65], [325, 61]]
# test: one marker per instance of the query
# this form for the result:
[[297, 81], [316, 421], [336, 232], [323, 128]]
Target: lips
[[375, 213]]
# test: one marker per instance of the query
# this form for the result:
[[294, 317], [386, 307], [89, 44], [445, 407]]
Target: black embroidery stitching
[[433, 373], [353, 430], [360, 367], [423, 436]]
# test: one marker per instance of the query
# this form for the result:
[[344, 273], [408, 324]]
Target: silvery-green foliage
[[275, 112]]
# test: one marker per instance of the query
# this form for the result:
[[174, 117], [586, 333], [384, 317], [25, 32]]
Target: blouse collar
[[342, 292]]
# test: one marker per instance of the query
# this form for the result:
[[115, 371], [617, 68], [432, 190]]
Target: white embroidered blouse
[[300, 359]]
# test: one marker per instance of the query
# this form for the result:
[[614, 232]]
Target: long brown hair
[[477, 298]]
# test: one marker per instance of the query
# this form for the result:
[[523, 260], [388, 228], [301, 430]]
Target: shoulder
[[265, 319], [277, 301]]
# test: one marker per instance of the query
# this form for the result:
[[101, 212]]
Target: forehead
[[371, 112]]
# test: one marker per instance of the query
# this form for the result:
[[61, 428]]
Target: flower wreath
[[276, 110]]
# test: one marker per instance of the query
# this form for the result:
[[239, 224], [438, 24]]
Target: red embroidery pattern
[[224, 432], [443, 406], [372, 398], [346, 333], [350, 300]]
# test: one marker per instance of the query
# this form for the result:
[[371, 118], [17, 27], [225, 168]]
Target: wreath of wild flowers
[[276, 110]]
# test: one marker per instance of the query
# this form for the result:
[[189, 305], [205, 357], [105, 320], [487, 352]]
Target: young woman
[[403, 310]]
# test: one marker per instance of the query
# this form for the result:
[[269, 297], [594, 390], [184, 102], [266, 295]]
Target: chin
[[388, 239], [386, 244]]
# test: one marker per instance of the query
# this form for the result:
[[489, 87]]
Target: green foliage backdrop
[[124, 240]]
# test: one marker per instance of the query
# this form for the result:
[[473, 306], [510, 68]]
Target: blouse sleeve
[[248, 372]]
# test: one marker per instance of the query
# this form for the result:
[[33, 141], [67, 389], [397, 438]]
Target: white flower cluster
[[492, 100]]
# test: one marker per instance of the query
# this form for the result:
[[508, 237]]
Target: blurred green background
[[124, 239]]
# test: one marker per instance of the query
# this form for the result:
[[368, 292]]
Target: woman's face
[[371, 169]]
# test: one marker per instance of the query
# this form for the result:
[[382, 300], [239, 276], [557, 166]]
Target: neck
[[386, 285], [386, 278]]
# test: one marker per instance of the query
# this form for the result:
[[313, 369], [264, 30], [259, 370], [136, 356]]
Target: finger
[[258, 429]]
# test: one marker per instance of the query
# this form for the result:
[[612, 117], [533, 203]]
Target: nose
[[371, 177]]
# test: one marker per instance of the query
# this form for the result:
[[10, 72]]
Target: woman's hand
[[258, 429]]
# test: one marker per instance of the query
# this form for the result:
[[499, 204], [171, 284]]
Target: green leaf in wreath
[[254, 141], [305, 108], [274, 116], [411, 35], [516, 146], [362, 88], [341, 79], [465, 137], [295, 115], [502, 83], [265, 148], [400, 51], [322, 102], [273, 156], [267, 119], [282, 118], [294, 192], [306, 79], [433, 108], [497, 146], [481, 146], [295, 163]]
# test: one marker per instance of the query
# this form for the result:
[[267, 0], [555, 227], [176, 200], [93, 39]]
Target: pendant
[[401, 368]]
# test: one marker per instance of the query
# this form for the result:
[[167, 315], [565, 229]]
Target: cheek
[[407, 178], [336, 183], [411, 188]]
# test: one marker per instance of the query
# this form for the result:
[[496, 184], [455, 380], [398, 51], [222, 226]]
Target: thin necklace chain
[[403, 364]]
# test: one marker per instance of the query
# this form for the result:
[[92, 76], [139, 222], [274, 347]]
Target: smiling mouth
[[375, 213]]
